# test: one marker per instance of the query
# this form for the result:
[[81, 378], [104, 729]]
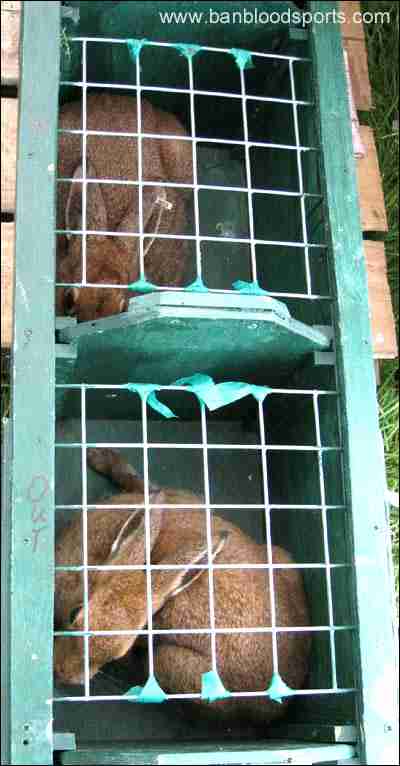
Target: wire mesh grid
[[307, 242], [263, 446]]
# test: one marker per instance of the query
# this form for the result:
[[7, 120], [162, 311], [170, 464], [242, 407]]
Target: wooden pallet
[[372, 205]]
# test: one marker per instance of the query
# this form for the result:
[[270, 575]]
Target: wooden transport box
[[274, 297]]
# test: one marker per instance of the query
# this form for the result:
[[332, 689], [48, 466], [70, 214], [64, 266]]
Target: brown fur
[[117, 600], [112, 207]]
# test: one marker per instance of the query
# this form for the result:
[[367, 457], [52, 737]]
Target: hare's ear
[[184, 578], [96, 213], [156, 210], [129, 544]]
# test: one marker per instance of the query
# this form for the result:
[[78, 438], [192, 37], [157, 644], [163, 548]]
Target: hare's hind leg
[[179, 669]]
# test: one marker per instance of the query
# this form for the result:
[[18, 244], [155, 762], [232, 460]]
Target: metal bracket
[[64, 741], [322, 358]]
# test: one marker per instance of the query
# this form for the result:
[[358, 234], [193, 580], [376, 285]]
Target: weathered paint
[[29, 734], [364, 468]]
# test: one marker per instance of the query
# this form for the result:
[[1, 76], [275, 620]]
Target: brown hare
[[115, 207], [180, 598]]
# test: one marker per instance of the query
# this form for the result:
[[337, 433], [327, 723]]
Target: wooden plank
[[374, 654], [9, 131], [358, 63], [10, 33], [352, 28], [384, 338], [372, 202], [7, 282], [32, 492], [353, 35]]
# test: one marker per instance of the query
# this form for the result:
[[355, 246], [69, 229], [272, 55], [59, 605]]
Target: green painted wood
[[202, 755], [65, 360], [364, 469], [166, 336], [29, 733], [314, 733], [5, 591]]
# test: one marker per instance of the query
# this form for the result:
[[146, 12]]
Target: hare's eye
[[74, 613]]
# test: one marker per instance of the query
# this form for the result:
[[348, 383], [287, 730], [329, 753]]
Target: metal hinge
[[70, 13]]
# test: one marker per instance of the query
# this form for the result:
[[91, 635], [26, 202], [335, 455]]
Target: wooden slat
[[372, 202], [381, 311], [353, 36], [358, 63], [9, 120], [7, 282], [351, 29], [10, 31]]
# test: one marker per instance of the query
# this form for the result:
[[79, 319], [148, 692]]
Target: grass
[[383, 42]]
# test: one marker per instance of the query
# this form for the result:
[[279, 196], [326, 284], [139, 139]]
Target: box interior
[[114, 416]]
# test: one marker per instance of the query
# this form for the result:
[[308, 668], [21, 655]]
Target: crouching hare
[[180, 597], [114, 260]]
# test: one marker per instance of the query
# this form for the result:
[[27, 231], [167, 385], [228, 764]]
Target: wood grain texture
[[383, 326], [10, 33], [372, 202], [358, 63], [351, 29], [33, 359], [7, 282], [9, 131]]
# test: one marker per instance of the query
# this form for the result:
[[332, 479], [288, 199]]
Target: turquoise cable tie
[[188, 49], [197, 286], [135, 46], [243, 58], [235, 391], [253, 288], [147, 391], [216, 395], [249, 288], [142, 285], [212, 395], [278, 690], [158, 406], [134, 692], [212, 688], [150, 693]]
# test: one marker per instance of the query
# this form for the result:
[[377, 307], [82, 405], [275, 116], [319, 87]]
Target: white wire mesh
[[207, 446], [244, 98], [325, 566]]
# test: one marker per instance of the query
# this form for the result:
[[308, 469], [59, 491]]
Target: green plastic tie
[[158, 406], [150, 693], [188, 49], [243, 58], [147, 392], [249, 288], [197, 286], [212, 395], [278, 690], [135, 46], [216, 395], [142, 286], [212, 688], [253, 288]]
